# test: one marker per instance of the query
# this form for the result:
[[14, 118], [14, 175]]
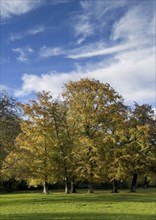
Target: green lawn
[[81, 206]]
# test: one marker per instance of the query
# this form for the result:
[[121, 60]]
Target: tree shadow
[[76, 216], [77, 198]]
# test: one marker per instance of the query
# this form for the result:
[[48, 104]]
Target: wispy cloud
[[10, 8], [91, 20], [33, 31], [36, 30], [23, 53], [138, 23], [99, 49], [134, 30], [50, 51], [83, 28]]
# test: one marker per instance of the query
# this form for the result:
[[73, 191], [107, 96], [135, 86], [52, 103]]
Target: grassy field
[[81, 206]]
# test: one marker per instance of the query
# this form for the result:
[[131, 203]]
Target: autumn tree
[[142, 118], [90, 104], [63, 148], [43, 151], [111, 154], [33, 153], [88, 134]]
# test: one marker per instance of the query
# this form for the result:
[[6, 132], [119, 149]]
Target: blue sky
[[46, 43]]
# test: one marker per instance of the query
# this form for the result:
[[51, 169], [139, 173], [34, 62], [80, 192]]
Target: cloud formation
[[91, 19], [113, 47], [131, 74], [130, 67], [3, 88], [136, 24], [23, 53], [134, 29], [17, 7], [50, 51], [33, 31], [99, 49]]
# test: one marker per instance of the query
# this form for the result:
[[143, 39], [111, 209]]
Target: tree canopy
[[87, 135]]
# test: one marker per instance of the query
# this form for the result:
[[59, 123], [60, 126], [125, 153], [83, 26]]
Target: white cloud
[[135, 24], [17, 7], [33, 31], [23, 53], [131, 74], [9, 8], [99, 8], [49, 82], [36, 30], [92, 17], [99, 49], [83, 28], [134, 30], [3, 88], [50, 51], [131, 68], [154, 109]]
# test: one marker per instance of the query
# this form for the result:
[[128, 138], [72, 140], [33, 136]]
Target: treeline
[[88, 134]]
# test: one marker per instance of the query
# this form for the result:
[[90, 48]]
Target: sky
[[47, 43]]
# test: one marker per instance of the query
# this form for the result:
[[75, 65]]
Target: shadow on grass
[[76, 216], [76, 198]]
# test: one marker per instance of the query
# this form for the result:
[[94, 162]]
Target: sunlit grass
[[80, 206]]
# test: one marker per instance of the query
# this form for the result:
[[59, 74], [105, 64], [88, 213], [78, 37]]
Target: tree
[[63, 149], [136, 151], [90, 103], [111, 151], [143, 115], [34, 145], [9, 125], [134, 141], [45, 143]]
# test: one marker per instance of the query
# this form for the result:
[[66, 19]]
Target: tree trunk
[[146, 182], [90, 185], [67, 186], [134, 182], [45, 187], [115, 187], [73, 190]]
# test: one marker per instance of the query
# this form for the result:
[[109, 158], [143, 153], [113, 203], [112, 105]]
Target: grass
[[81, 206]]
